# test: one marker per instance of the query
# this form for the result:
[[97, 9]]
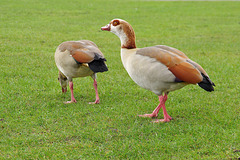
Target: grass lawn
[[36, 124]]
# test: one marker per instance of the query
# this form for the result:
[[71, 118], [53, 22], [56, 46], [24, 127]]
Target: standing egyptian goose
[[160, 68], [79, 59]]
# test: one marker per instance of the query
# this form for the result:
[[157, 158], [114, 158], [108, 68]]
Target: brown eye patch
[[115, 22]]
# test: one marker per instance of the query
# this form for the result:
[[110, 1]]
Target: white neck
[[126, 35], [127, 54]]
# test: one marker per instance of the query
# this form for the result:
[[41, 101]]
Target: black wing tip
[[206, 84], [98, 66]]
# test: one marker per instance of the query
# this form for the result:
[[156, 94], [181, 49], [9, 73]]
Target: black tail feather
[[98, 66], [206, 84]]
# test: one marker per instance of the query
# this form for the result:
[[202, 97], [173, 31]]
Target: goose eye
[[116, 22]]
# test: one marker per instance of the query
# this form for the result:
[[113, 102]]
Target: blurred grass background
[[35, 124]]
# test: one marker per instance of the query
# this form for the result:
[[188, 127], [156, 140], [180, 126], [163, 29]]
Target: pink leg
[[167, 118], [162, 100], [73, 100], [96, 91], [156, 110]]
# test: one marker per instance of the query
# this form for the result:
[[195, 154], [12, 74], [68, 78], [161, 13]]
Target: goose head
[[63, 82], [123, 30]]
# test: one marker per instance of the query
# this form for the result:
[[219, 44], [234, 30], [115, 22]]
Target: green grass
[[36, 124]]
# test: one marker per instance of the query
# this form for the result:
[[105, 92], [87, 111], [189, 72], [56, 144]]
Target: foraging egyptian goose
[[79, 59], [160, 68]]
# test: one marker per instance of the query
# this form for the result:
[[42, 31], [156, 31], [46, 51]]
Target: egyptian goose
[[160, 68], [78, 59]]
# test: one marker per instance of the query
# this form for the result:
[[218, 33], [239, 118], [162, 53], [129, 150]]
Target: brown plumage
[[160, 68], [79, 59]]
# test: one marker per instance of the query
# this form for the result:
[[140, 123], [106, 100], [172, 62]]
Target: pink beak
[[64, 90], [106, 28]]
